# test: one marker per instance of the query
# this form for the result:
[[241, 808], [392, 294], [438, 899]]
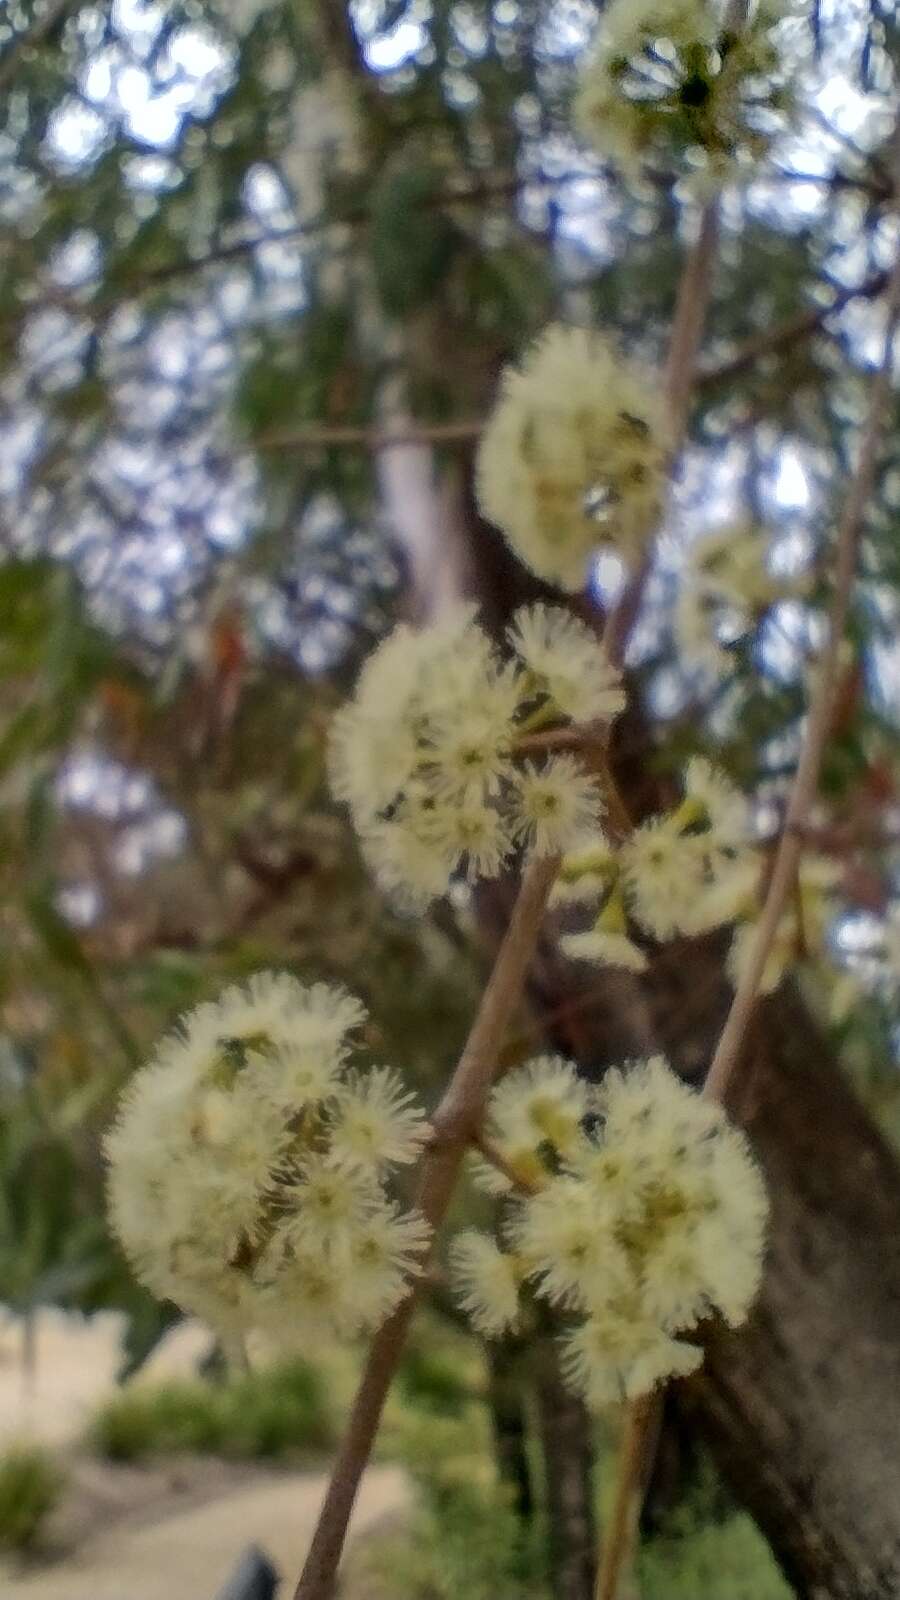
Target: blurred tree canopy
[[243, 242]]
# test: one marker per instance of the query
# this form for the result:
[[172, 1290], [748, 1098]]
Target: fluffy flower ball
[[574, 455], [428, 754], [647, 1214], [667, 82], [247, 1167]]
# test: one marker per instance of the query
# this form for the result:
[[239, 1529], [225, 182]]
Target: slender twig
[[692, 304], [299, 233], [727, 1057], [772, 340], [322, 436], [456, 1120], [618, 1539], [806, 778]]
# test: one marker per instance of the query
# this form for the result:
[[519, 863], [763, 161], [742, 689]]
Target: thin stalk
[[691, 307], [455, 1122], [727, 1057], [809, 766], [619, 1537]]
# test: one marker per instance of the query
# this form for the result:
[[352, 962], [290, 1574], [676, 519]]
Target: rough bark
[[802, 1407]]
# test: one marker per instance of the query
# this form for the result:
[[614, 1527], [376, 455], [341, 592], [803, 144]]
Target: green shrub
[[266, 1414], [433, 1380], [729, 1559], [709, 1546], [461, 1541], [30, 1486], [274, 1412], [172, 1416]]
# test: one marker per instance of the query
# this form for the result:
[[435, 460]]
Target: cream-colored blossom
[[247, 1170], [568, 663], [662, 871], [568, 1245], [554, 804], [428, 754], [377, 1123], [609, 1358], [585, 872], [543, 1102], [663, 84], [574, 455], [486, 1281], [650, 1220], [729, 890], [725, 812]]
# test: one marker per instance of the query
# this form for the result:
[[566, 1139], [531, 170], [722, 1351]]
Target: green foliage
[[464, 1538], [53, 1244], [463, 1541], [707, 1546], [432, 1379], [270, 1414], [729, 1560], [411, 239], [30, 1486]]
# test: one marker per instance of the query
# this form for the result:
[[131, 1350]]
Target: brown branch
[[321, 436], [727, 1057], [772, 340], [353, 217], [455, 1121], [691, 306], [806, 778]]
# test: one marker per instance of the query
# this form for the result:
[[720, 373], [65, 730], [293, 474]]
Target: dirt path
[[188, 1554]]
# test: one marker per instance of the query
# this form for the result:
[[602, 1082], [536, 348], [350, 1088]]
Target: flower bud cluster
[[248, 1167], [644, 1213]]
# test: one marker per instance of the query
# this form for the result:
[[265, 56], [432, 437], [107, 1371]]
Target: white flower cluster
[[726, 591], [693, 869], [429, 755], [647, 1214], [688, 871], [668, 83], [248, 1167], [574, 455]]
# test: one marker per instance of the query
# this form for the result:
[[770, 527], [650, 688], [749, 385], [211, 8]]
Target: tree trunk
[[802, 1407], [567, 1449]]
